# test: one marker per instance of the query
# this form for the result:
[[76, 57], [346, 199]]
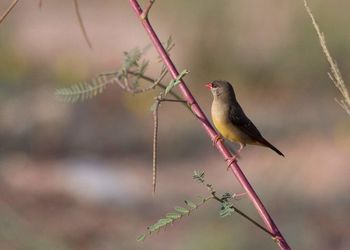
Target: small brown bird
[[230, 120]]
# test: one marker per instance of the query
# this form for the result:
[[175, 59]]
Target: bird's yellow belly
[[229, 131]]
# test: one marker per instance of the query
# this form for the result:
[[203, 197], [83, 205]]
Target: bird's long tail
[[265, 143]]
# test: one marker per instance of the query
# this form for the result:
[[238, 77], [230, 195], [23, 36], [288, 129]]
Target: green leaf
[[169, 44], [165, 221], [140, 71], [173, 215], [141, 237], [198, 175], [191, 204], [86, 90], [131, 59], [176, 81], [182, 210], [226, 209], [153, 227], [226, 196]]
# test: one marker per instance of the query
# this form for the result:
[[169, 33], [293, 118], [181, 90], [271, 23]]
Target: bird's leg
[[234, 158], [241, 146], [216, 139]]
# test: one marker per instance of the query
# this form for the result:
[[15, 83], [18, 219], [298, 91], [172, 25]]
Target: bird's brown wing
[[241, 121]]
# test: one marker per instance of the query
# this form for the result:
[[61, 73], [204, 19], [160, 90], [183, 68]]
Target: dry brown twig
[[158, 100], [81, 23], [40, 2], [124, 85], [335, 74], [9, 9]]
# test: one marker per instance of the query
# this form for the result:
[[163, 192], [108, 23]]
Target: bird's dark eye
[[214, 85]]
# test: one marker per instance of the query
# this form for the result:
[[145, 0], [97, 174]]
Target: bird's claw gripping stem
[[216, 139], [230, 161]]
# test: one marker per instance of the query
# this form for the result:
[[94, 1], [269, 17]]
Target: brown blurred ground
[[79, 176]]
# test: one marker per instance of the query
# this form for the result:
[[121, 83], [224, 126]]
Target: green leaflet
[[141, 237], [198, 176], [226, 210], [88, 89], [182, 210], [165, 221], [85, 90], [176, 81], [173, 216], [190, 204]]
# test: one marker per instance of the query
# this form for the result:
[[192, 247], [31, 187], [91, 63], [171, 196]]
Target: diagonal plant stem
[[282, 243]]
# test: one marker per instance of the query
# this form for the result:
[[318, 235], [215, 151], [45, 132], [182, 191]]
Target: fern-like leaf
[[172, 217], [86, 90]]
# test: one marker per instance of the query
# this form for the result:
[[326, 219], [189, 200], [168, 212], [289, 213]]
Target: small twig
[[238, 196], [243, 215], [81, 23], [161, 85], [40, 3], [13, 4], [145, 12], [155, 143], [127, 85], [212, 191], [335, 76], [158, 100], [155, 83], [172, 100]]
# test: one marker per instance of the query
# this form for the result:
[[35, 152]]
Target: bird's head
[[222, 89]]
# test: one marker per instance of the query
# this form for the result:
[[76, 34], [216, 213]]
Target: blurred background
[[78, 176]]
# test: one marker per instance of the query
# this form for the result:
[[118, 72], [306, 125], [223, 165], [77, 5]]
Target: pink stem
[[209, 129]]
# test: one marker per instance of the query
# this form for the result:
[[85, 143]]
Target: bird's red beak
[[209, 85]]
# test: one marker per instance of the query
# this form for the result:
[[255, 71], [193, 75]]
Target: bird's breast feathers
[[220, 116]]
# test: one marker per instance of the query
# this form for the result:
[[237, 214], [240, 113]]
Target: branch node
[[145, 12], [230, 161]]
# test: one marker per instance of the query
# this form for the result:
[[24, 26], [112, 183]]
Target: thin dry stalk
[[81, 23], [158, 100], [335, 74], [13, 4], [155, 144]]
